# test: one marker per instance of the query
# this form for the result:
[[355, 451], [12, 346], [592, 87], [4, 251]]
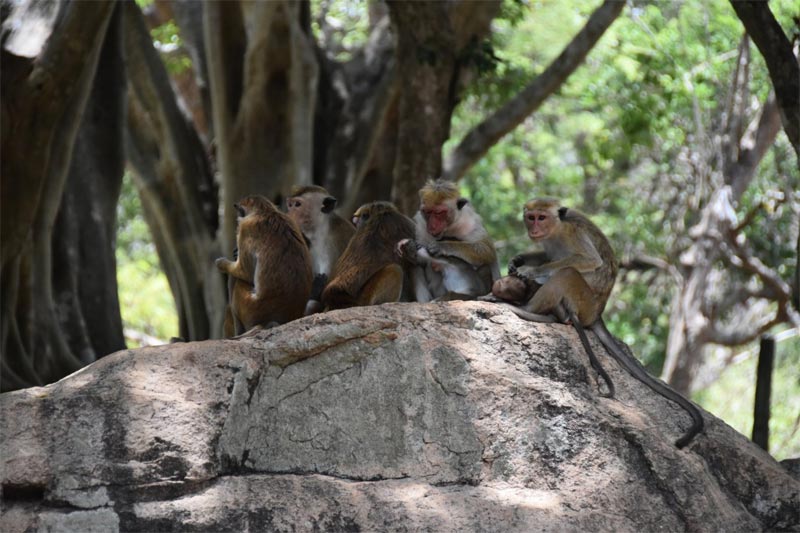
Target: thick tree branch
[[478, 141], [175, 184], [782, 64], [757, 139]]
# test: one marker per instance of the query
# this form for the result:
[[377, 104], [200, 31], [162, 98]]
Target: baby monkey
[[572, 279]]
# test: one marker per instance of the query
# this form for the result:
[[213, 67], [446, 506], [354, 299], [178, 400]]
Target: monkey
[[272, 272], [454, 255], [572, 278], [326, 233], [369, 272]]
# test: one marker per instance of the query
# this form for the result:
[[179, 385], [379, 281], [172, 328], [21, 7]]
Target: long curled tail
[[637, 370], [592, 357]]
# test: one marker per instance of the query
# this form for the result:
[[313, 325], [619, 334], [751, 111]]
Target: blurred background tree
[[661, 121]]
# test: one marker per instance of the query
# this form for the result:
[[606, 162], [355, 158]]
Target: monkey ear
[[562, 212], [461, 202], [328, 204]]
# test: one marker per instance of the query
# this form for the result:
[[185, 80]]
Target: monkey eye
[[541, 218]]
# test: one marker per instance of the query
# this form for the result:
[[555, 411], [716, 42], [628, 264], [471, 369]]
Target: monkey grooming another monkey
[[327, 234], [572, 278], [273, 269], [454, 254], [369, 272]]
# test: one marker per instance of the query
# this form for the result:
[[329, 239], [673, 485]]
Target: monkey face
[[438, 218], [539, 223], [300, 209]]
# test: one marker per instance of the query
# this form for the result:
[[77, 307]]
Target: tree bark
[[784, 71], [486, 134], [176, 187], [431, 38], [84, 235], [49, 57], [356, 105]]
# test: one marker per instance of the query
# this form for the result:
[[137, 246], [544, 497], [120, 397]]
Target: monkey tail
[[637, 370], [592, 357]]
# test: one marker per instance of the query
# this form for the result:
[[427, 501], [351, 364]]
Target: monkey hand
[[407, 249], [516, 262], [434, 250], [318, 285], [529, 274], [222, 264]]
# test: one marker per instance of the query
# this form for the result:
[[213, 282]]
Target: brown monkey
[[326, 233], [273, 269], [369, 272], [454, 254], [572, 278]]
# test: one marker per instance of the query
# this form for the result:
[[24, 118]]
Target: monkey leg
[[384, 286], [242, 305], [566, 285]]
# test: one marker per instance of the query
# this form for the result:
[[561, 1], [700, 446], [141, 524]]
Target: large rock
[[436, 417]]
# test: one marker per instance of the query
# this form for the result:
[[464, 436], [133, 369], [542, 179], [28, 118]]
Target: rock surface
[[409, 417]]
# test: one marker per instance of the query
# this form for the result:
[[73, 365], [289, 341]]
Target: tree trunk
[[49, 58], [84, 235], [176, 187], [263, 75], [431, 40]]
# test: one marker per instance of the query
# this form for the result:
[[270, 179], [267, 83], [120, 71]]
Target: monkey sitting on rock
[[326, 233], [454, 256], [369, 272], [572, 279], [272, 271]]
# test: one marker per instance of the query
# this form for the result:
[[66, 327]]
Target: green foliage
[[732, 397], [167, 40], [340, 26], [146, 302]]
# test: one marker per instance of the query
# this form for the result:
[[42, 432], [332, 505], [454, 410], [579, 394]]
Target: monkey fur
[[272, 271], [369, 272]]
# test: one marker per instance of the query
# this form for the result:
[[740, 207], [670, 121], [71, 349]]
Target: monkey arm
[[474, 253], [233, 269], [583, 263], [529, 258]]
